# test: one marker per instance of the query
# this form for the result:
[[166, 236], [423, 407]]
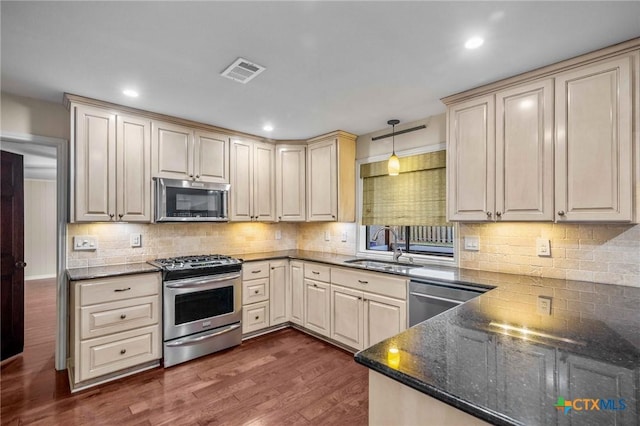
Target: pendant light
[[394, 162]]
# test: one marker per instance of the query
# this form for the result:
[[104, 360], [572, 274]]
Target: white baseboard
[[39, 277]]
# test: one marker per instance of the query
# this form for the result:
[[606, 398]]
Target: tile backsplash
[[588, 252], [311, 236], [166, 240]]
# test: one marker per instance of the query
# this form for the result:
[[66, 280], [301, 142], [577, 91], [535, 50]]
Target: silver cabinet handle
[[561, 213], [118, 290], [256, 272], [315, 272], [363, 282], [195, 340], [123, 351], [123, 316]]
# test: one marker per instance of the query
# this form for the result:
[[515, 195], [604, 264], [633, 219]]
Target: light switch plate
[[544, 305], [543, 247], [472, 243], [135, 240], [85, 243], [344, 236], [327, 236], [278, 234]]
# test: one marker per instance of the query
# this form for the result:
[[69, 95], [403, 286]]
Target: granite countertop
[[75, 274], [496, 358]]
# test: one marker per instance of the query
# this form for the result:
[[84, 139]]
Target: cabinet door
[[471, 160], [211, 160], [172, 151], [255, 317], [593, 142], [586, 378], [241, 180], [264, 167], [322, 181], [519, 364], [347, 316], [296, 274], [95, 164], [317, 307], [133, 169], [383, 317], [278, 293], [290, 183], [524, 152]]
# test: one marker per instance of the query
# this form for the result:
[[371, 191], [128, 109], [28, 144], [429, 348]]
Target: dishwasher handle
[[443, 299]]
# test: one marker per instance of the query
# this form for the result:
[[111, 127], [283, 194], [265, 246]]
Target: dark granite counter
[[496, 358], [75, 274]]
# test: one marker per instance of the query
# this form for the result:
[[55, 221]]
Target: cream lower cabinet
[[255, 296], [361, 318], [112, 166], [180, 152], [252, 195], [296, 283], [115, 327], [317, 298], [278, 292]]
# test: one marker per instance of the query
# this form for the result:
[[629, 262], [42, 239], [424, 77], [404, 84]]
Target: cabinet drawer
[[255, 317], [376, 283], [108, 354], [255, 291], [254, 270], [317, 272], [123, 315], [101, 290]]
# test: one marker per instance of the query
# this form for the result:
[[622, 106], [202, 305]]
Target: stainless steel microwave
[[189, 201]]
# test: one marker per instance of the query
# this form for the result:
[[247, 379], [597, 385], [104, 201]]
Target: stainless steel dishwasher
[[430, 298]]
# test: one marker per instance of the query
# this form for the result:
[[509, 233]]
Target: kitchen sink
[[383, 265]]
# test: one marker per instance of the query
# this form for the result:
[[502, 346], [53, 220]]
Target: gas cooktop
[[196, 266]]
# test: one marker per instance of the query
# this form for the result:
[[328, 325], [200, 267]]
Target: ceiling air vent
[[242, 71]]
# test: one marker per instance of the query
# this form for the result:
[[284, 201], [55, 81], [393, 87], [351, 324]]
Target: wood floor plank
[[283, 378]]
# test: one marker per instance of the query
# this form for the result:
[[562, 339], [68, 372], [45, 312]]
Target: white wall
[[39, 228]]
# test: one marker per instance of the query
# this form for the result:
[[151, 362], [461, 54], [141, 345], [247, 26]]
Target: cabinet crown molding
[[546, 71]]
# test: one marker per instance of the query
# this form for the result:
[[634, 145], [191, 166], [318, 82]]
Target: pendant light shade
[[394, 161]]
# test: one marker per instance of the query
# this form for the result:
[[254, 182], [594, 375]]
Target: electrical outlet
[[135, 240], [327, 236], [544, 305], [472, 243], [344, 236], [278, 234], [85, 243], [543, 247]]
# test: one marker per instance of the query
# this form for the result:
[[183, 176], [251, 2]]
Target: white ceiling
[[330, 65]]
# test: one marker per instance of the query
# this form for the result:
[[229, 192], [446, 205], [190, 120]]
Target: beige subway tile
[[608, 278], [579, 254], [553, 273], [589, 265], [575, 306], [579, 275], [625, 268]]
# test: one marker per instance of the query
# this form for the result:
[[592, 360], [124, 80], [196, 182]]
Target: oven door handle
[[195, 340], [191, 282]]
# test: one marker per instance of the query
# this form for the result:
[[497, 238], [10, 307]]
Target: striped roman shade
[[417, 196]]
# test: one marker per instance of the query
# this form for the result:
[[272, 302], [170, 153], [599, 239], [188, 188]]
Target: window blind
[[417, 196]]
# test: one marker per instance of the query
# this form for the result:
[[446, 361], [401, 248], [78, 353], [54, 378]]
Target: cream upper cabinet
[[471, 159], [252, 181], [594, 178], [180, 152], [524, 152], [331, 178], [290, 183], [112, 179]]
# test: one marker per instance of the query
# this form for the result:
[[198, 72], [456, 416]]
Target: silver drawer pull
[[256, 272], [117, 290], [123, 316], [363, 282], [123, 351], [315, 272]]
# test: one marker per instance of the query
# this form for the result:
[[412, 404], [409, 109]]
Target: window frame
[[361, 230]]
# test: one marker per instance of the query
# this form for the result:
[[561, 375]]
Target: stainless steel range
[[202, 305]]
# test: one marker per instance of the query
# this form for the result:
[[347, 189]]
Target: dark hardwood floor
[[284, 378]]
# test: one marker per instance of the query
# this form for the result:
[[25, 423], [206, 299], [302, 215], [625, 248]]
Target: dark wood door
[[12, 254]]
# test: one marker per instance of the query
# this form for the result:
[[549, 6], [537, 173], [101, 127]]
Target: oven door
[[194, 305]]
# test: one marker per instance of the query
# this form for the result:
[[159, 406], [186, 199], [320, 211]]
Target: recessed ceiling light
[[267, 128], [474, 43], [131, 93]]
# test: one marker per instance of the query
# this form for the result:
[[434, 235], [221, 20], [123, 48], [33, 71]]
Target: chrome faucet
[[397, 250]]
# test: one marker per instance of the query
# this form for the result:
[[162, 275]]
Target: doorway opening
[[45, 217]]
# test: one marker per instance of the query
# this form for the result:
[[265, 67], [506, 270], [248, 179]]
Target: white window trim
[[361, 231]]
